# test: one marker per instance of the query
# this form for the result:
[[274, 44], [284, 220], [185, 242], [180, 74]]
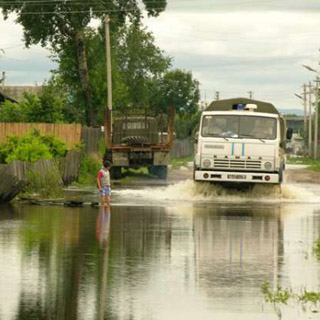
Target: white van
[[241, 140]]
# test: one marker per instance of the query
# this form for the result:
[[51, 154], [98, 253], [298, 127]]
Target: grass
[[129, 175], [44, 186], [316, 249], [278, 296], [177, 162], [282, 296], [313, 165]]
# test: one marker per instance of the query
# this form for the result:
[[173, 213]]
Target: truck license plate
[[237, 176]]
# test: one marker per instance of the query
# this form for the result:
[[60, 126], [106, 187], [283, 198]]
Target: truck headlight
[[206, 163], [268, 165]]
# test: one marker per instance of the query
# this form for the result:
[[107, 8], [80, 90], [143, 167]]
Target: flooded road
[[177, 252]]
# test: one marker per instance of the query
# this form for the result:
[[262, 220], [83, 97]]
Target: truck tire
[[115, 173], [281, 176], [152, 170], [135, 140], [161, 172]]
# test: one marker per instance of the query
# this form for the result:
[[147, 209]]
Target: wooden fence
[[91, 138], [69, 133], [182, 148], [74, 134]]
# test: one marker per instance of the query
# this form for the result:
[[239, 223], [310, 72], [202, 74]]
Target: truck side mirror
[[289, 133]]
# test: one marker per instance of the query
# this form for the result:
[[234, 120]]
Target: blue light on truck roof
[[238, 106]]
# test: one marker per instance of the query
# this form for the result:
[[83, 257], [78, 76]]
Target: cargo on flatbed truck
[[139, 140], [241, 141]]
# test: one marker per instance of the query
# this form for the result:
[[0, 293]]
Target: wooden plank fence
[[69, 133], [16, 175], [10, 185], [182, 148], [91, 138]]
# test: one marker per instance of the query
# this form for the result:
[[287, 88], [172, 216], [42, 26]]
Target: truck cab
[[240, 140]]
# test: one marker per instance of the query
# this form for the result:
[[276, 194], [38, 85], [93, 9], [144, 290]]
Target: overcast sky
[[231, 46]]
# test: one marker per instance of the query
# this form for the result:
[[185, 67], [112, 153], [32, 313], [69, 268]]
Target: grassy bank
[[177, 162], [313, 165]]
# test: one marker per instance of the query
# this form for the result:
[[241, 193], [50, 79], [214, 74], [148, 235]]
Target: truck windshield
[[235, 126]]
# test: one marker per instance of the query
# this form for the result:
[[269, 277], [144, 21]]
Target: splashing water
[[196, 191]]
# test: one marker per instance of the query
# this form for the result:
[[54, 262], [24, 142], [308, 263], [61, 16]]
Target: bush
[[90, 165], [47, 185], [31, 148]]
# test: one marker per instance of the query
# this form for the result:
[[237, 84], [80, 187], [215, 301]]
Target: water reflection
[[102, 234], [152, 262]]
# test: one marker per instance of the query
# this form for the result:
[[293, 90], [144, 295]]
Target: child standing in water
[[103, 183]]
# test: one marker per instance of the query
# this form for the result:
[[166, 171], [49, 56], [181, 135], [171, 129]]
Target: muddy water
[[181, 252]]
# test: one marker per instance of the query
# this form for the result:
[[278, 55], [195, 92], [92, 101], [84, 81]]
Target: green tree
[[179, 90], [11, 112], [178, 95], [48, 107], [136, 63], [140, 63], [60, 22]]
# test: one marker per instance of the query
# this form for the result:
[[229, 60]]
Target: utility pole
[[310, 119], [304, 96], [250, 94], [108, 110], [315, 151], [217, 96]]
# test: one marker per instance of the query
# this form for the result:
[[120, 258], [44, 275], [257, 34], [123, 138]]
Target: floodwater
[[184, 251]]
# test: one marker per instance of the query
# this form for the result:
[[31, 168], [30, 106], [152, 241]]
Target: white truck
[[241, 140]]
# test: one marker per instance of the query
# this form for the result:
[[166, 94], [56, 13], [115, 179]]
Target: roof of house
[[5, 96], [17, 92]]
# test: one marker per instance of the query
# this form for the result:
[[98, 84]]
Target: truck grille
[[236, 164]]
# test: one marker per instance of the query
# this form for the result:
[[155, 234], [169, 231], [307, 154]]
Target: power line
[[146, 2]]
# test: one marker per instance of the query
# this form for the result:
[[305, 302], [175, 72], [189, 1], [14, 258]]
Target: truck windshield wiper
[[251, 136]]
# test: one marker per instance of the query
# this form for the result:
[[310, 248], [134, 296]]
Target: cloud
[[234, 52], [215, 6], [22, 66], [232, 46]]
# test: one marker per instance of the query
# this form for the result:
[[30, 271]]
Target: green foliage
[[31, 148], [61, 26], [48, 107], [47, 185], [309, 296], [12, 112], [316, 249], [60, 29], [278, 296], [137, 63], [177, 89], [186, 124], [90, 165], [282, 296], [313, 164], [57, 148], [177, 162]]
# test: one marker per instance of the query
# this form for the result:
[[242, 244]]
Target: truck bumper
[[234, 176]]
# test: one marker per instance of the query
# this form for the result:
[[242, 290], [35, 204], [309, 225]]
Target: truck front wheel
[[281, 176], [115, 173]]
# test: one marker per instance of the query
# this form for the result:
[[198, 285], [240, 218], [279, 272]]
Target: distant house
[[16, 92], [5, 96], [295, 122]]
